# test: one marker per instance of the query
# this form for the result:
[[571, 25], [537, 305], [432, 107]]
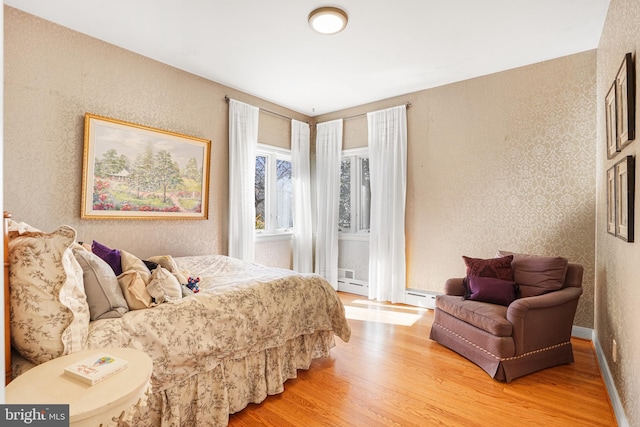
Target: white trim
[[361, 151], [362, 236], [616, 403], [272, 237], [273, 149], [582, 332], [614, 397]]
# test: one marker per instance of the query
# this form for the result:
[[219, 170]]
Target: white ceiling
[[266, 48]]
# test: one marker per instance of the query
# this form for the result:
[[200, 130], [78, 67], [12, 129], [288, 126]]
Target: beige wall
[[503, 161], [618, 262], [53, 76]]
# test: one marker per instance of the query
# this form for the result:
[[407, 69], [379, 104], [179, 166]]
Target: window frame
[[272, 155], [354, 155]]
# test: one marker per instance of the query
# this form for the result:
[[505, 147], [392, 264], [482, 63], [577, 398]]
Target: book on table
[[96, 368]]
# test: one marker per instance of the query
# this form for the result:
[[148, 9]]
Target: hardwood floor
[[391, 374]]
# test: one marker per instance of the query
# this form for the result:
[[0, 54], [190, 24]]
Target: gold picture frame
[[131, 171]]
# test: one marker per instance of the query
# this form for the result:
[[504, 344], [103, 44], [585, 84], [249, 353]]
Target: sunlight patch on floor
[[381, 316]]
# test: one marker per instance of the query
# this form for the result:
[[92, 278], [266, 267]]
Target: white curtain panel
[[328, 146], [388, 173], [301, 174], [243, 140]]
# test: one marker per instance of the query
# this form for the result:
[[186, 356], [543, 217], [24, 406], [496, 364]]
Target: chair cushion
[[491, 318], [537, 275]]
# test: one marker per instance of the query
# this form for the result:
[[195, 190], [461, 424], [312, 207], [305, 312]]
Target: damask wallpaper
[[618, 263], [505, 161], [54, 75], [500, 162]]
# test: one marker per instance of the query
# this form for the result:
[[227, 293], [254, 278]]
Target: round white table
[[111, 402]]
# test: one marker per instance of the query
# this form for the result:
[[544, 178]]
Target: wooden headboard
[[7, 305]]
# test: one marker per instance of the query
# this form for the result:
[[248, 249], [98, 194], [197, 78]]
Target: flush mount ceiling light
[[328, 20]]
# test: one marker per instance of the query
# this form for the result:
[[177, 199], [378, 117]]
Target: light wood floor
[[393, 375]]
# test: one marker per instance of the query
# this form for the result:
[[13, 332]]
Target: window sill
[[272, 237], [363, 237]]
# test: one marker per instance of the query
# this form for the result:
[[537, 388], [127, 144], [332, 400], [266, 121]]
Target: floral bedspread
[[242, 308]]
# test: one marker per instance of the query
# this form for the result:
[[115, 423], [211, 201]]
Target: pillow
[[134, 290], [110, 256], [162, 278], [500, 268], [49, 310], [131, 262], [167, 262], [492, 290], [537, 275], [104, 295]]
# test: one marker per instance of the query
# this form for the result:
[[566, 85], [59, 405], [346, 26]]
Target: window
[[355, 192], [273, 190]]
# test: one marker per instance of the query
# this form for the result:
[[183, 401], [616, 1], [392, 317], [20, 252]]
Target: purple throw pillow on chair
[[108, 255], [491, 290]]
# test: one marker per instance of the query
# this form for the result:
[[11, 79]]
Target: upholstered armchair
[[517, 336]]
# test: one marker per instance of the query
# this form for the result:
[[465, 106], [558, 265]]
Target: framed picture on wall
[[612, 127], [611, 200], [625, 102], [624, 196], [132, 171]]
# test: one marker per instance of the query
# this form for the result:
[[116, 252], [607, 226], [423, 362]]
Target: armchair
[[531, 333]]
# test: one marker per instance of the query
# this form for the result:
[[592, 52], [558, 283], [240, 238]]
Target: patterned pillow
[[499, 268], [167, 262], [49, 310], [167, 282]]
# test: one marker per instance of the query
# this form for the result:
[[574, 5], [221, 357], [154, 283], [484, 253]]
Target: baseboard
[[582, 332], [616, 403]]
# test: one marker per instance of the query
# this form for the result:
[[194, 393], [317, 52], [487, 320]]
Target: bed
[[236, 341]]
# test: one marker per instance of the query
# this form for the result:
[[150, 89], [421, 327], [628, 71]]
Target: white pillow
[[49, 310], [161, 277], [167, 262]]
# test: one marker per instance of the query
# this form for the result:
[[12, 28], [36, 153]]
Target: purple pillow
[[108, 255], [490, 289]]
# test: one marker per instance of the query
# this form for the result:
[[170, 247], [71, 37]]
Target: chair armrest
[[544, 320], [454, 286]]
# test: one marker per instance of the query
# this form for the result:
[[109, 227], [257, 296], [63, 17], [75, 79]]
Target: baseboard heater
[[420, 298], [348, 283]]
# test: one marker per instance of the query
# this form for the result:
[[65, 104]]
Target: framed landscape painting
[[134, 171]]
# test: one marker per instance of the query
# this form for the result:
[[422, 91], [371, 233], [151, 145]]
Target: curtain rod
[[407, 105], [227, 99]]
